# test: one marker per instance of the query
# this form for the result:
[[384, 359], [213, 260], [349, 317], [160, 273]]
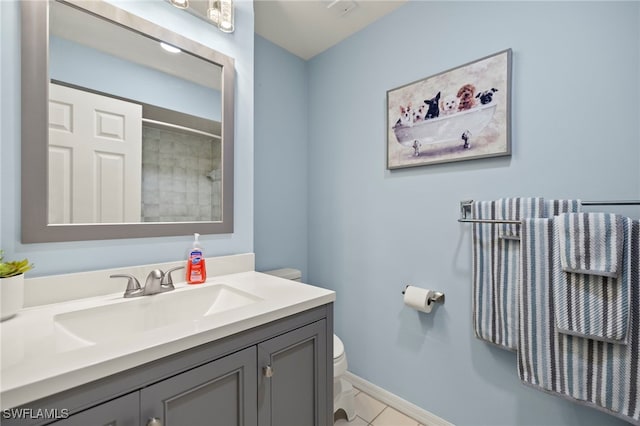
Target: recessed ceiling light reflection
[[180, 4], [170, 48]]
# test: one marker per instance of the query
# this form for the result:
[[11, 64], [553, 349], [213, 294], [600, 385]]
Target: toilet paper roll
[[418, 298]]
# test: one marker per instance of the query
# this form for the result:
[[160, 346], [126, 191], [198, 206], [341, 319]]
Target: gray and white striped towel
[[555, 207], [590, 243], [595, 373], [495, 268], [592, 305]]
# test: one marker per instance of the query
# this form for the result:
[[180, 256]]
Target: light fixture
[[213, 12], [221, 13], [169, 48], [180, 4]]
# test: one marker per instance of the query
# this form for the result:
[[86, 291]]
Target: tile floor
[[371, 412]]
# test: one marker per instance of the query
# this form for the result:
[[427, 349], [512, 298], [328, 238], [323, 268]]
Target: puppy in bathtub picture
[[487, 96], [406, 116], [419, 114], [434, 107], [449, 105], [466, 96]]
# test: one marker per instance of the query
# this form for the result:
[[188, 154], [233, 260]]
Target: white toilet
[[343, 394]]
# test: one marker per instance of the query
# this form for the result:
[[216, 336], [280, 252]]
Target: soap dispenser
[[196, 268]]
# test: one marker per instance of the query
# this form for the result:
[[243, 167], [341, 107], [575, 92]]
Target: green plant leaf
[[13, 268]]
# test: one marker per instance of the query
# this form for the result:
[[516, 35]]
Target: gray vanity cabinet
[[220, 393], [123, 411], [276, 374], [292, 382]]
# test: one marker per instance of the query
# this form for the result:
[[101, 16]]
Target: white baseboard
[[423, 416]]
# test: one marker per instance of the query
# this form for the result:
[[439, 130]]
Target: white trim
[[394, 401]]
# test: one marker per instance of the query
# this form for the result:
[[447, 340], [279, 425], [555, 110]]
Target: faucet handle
[[133, 285], [166, 278]]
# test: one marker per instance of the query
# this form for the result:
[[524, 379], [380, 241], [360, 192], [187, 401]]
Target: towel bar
[[465, 210]]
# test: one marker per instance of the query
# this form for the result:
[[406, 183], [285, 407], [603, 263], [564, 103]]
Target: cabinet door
[[292, 382], [220, 393], [123, 411]]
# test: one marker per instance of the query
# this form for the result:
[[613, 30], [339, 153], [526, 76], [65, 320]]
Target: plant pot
[[11, 296]]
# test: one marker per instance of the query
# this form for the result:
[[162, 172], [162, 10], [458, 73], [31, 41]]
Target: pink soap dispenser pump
[[196, 268]]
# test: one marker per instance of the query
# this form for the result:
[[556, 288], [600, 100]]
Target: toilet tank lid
[[288, 273]]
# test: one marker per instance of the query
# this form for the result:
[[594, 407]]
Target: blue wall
[[575, 135], [53, 258], [281, 153], [370, 231], [83, 66]]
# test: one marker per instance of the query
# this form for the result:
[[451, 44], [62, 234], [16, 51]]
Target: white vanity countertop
[[37, 361]]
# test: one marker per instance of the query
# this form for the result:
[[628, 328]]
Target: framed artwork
[[460, 114]]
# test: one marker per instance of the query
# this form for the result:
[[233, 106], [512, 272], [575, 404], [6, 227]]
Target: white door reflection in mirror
[[95, 157]]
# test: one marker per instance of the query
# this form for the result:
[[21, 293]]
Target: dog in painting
[[486, 96], [406, 116], [466, 97], [420, 113], [434, 108], [449, 105]]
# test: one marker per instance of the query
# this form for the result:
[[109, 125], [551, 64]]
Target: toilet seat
[[338, 347], [343, 393], [339, 357]]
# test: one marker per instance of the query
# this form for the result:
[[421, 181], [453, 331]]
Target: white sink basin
[[132, 316]]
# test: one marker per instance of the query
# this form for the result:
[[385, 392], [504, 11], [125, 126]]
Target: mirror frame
[[35, 129]]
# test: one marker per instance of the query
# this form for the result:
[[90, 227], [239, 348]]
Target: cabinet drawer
[[123, 411]]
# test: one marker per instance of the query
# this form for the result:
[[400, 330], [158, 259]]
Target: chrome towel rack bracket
[[466, 215]]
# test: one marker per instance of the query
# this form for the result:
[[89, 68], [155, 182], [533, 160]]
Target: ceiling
[[309, 27], [302, 27]]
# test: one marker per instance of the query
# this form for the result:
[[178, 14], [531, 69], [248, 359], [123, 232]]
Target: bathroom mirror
[[120, 137]]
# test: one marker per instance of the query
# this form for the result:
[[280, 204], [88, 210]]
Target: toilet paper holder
[[438, 297]]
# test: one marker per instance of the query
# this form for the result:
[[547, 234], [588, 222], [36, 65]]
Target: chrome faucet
[[152, 284], [156, 282]]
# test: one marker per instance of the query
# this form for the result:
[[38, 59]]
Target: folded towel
[[551, 208], [602, 375], [590, 243], [516, 209], [556, 207], [495, 268], [593, 306]]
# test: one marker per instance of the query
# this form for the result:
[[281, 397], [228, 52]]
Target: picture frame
[[460, 114]]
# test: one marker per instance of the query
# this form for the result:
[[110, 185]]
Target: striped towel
[[556, 207], [590, 243], [595, 373], [592, 305], [495, 268]]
